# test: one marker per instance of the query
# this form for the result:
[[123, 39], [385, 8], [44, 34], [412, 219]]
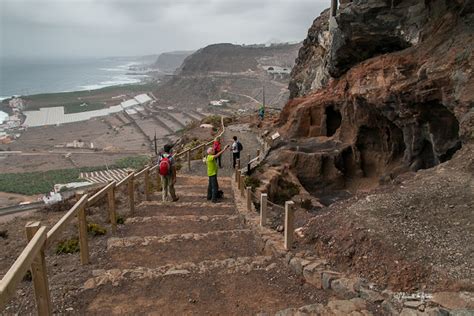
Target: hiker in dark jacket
[[167, 170], [211, 161], [236, 149]]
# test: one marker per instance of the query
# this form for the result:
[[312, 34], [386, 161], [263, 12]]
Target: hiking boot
[[176, 199]]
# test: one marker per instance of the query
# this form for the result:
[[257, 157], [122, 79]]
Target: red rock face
[[409, 108]]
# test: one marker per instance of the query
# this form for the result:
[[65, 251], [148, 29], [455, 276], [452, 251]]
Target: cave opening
[[369, 145], [440, 135], [333, 120]]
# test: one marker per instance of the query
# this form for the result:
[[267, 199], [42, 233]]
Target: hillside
[[381, 101], [233, 72], [170, 61], [236, 58]]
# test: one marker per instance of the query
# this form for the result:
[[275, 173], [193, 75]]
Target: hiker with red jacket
[[217, 148], [167, 170]]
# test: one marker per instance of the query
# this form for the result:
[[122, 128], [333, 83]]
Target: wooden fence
[[39, 239], [246, 192]]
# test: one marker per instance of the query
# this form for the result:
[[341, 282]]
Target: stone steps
[[155, 208], [240, 286], [150, 251], [165, 225], [192, 257], [190, 196]]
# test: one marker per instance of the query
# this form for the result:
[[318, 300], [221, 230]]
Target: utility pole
[[333, 8], [156, 145]]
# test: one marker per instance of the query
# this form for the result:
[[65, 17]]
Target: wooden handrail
[[43, 238], [59, 226], [205, 144], [125, 180], [93, 199], [17, 271], [141, 172]]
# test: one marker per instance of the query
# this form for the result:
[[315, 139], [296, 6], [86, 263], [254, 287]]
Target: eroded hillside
[[380, 91]]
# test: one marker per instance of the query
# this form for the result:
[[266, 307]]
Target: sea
[[28, 76]]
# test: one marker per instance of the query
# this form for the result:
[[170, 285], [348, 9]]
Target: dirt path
[[190, 258], [249, 141]]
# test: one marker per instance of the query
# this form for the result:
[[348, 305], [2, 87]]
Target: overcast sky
[[73, 28]]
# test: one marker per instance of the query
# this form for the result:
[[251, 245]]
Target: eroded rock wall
[[382, 86]]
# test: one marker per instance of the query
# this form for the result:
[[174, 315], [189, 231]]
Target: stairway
[[192, 257]]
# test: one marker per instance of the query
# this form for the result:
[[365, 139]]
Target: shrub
[[68, 246], [252, 182], [286, 190], [214, 120], [96, 229], [307, 204], [120, 220]]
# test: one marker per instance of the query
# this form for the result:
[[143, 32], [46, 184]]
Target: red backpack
[[165, 166]]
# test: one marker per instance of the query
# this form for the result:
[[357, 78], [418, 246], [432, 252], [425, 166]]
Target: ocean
[[26, 77]]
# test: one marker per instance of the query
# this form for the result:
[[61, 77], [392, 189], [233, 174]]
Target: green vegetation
[[135, 162], [286, 190], [42, 182], [30, 183], [252, 182], [93, 97], [68, 246], [214, 120], [120, 220], [96, 229], [83, 107]]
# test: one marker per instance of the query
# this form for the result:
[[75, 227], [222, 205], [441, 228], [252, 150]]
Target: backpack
[[165, 166], [239, 146]]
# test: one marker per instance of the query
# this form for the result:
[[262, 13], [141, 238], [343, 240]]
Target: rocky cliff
[[232, 58], [170, 61], [380, 87], [378, 135]]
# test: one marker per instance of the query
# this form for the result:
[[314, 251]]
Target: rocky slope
[[231, 58], [169, 62], [379, 90], [227, 71]]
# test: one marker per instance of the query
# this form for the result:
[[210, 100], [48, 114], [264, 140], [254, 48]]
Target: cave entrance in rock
[[440, 130], [333, 120]]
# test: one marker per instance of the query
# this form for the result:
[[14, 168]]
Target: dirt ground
[[413, 234]]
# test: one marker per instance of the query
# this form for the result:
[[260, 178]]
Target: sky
[[103, 28]]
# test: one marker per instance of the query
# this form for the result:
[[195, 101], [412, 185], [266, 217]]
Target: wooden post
[[83, 243], [147, 185], [333, 7], [239, 182], [263, 209], [289, 224], [112, 211], [258, 154], [39, 274], [242, 185], [249, 199], [248, 164], [188, 155], [131, 193]]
